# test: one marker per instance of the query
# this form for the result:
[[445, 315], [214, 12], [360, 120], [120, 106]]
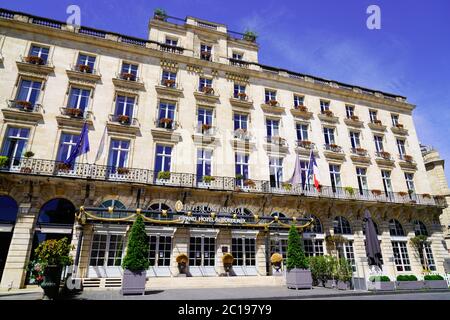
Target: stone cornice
[[111, 42]]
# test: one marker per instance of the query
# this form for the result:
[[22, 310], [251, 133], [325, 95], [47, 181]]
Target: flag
[[81, 147], [101, 147], [296, 176], [313, 171]]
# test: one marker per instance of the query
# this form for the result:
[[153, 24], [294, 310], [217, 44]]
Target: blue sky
[[408, 56]]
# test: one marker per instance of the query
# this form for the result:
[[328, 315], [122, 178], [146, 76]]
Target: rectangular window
[[243, 251], [85, 60], [273, 127], [107, 250], [118, 153], [280, 247], [387, 184], [304, 166], [160, 249], [238, 56], [428, 262], [203, 163], [350, 111], [163, 158], [125, 106], [202, 251], [394, 118], [270, 95], [401, 256], [313, 247], [15, 144], [241, 167], [361, 175], [204, 82], [205, 52], [29, 91], [401, 147], [79, 98], [41, 52], [276, 172], [298, 100], [129, 69], [168, 78], [328, 134], [354, 139], [239, 90], [172, 42], [409, 178], [205, 116], [373, 115], [346, 251], [67, 144], [302, 132], [166, 115], [324, 105], [240, 121], [378, 143], [335, 176]]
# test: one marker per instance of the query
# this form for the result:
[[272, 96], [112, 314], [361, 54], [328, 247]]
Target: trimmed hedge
[[406, 277], [379, 279], [433, 277]]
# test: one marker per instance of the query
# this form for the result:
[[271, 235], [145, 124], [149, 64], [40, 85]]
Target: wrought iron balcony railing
[[239, 63], [35, 60], [166, 123], [123, 119], [333, 148], [76, 113], [42, 167], [24, 106]]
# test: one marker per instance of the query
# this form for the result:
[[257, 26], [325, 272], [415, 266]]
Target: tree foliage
[[136, 258]]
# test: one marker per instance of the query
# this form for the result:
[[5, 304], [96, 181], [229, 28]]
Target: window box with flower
[[34, 60]]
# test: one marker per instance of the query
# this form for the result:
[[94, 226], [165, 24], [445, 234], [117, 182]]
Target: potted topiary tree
[[135, 263], [182, 260], [51, 257], [298, 276], [227, 260], [344, 274], [276, 260], [435, 281]]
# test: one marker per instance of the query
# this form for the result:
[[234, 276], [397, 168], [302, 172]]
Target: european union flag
[[81, 147]]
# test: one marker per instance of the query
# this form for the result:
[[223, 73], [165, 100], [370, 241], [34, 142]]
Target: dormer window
[[238, 56], [205, 52]]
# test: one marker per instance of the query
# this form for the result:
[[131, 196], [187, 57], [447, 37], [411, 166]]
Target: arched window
[[8, 209], [116, 204], [159, 207], [341, 226], [243, 211], [374, 224], [57, 211], [420, 229], [317, 225], [396, 229], [279, 214]]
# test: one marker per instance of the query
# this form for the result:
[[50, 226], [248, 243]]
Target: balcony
[[301, 112], [128, 80], [276, 144], [354, 121], [239, 63], [123, 124], [165, 130], [377, 125], [169, 48], [272, 106], [22, 111], [304, 147], [399, 129], [74, 117], [50, 168], [384, 158], [207, 94], [360, 155], [328, 116], [35, 64], [241, 100], [242, 139], [334, 152], [83, 72], [407, 162], [169, 88], [205, 133]]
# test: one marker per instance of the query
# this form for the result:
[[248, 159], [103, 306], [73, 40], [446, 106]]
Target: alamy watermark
[[374, 19], [74, 18]]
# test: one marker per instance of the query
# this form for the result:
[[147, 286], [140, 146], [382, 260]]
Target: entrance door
[[5, 240], [159, 256], [244, 253], [202, 256]]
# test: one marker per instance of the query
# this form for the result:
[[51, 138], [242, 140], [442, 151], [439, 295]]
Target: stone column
[[359, 248], [261, 253], [20, 248], [83, 264], [386, 250]]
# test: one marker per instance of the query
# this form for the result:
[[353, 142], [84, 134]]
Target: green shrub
[[165, 175], [344, 270], [407, 277], [208, 179], [379, 279], [331, 263], [136, 258], [433, 277], [350, 190], [3, 161], [28, 154], [318, 267], [295, 254], [54, 252]]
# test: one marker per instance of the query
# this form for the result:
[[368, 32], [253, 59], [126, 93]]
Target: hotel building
[[188, 123]]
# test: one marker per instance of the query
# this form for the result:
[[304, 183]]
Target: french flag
[[313, 171]]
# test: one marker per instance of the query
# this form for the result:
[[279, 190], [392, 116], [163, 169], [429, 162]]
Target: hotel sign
[[223, 220]]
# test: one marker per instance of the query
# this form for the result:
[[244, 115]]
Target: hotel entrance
[[8, 216], [202, 253]]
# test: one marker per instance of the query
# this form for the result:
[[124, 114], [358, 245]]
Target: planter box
[[381, 286], [436, 284], [410, 285], [134, 282], [299, 279], [330, 284], [341, 285]]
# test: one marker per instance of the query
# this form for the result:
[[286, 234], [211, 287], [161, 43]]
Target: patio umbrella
[[373, 249]]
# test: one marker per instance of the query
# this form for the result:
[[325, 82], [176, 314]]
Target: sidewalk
[[243, 293]]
